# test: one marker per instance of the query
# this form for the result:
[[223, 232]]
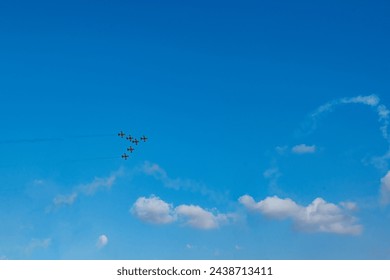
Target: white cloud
[[156, 211], [319, 216], [385, 189], [303, 149], [197, 217], [273, 207], [153, 210], [102, 241], [326, 217]]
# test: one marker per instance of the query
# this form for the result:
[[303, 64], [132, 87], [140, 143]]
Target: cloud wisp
[[304, 149], [156, 171], [65, 199], [385, 189], [154, 210], [88, 189], [383, 113], [36, 244], [318, 216], [372, 101]]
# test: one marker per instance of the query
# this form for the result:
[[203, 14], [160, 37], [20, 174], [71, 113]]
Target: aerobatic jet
[[121, 134], [130, 149], [135, 141], [144, 138], [125, 156], [130, 138]]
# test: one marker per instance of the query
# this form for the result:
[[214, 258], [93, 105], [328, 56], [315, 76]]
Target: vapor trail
[[56, 139], [372, 101], [32, 140]]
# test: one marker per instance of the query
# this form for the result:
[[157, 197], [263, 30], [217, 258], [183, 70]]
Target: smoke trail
[[372, 101], [56, 139], [32, 140]]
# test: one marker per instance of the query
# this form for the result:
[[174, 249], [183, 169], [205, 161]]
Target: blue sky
[[267, 124]]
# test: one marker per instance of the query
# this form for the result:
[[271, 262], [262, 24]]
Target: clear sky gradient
[[267, 124]]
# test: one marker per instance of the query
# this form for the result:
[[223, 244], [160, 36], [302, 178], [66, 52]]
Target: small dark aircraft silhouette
[[130, 149], [135, 141], [125, 156], [130, 138], [121, 134], [144, 138]]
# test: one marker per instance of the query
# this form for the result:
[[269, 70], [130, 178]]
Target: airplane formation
[[132, 140]]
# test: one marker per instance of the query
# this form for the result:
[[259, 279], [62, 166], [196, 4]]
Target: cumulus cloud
[[197, 217], [102, 241], [153, 210], [156, 211], [272, 207], [318, 216], [385, 189], [303, 149]]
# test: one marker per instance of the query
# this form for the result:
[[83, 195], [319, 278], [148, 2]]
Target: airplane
[[125, 156], [130, 138], [130, 149], [121, 134], [143, 138], [135, 141]]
